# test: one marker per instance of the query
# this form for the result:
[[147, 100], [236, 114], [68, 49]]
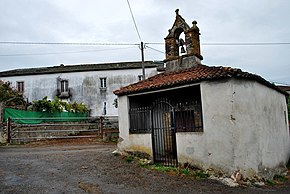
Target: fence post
[[1, 111], [101, 126], [9, 130]]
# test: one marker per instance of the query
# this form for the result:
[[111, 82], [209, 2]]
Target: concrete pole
[[142, 56]]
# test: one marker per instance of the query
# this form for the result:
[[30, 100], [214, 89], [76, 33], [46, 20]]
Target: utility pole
[[142, 56]]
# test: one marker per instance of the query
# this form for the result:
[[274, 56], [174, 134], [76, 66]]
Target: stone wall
[[94, 128]]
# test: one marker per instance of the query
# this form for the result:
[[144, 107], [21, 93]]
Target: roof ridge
[[77, 68], [192, 75]]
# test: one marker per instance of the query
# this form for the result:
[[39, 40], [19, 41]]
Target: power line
[[152, 43], [58, 53], [247, 44], [68, 43], [156, 43], [234, 43], [134, 21], [155, 49]]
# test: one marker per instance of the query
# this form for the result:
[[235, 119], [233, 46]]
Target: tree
[[10, 96]]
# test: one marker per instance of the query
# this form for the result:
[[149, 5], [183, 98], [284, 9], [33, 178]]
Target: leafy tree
[[10, 96]]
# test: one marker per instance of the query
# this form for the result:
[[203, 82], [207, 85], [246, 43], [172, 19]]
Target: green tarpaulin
[[32, 117]]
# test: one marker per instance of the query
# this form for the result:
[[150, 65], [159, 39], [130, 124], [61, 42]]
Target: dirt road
[[91, 168]]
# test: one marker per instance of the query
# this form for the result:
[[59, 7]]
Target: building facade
[[210, 117], [91, 84]]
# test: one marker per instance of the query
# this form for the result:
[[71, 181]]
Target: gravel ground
[[67, 167]]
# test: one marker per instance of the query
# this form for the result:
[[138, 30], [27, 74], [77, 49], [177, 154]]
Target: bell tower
[[175, 46]]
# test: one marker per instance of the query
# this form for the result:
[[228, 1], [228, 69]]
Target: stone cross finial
[[176, 11]]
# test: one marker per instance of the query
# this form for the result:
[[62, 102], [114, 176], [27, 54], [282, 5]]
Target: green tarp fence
[[32, 117]]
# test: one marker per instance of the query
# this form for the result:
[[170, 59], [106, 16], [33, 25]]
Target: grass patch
[[277, 179], [162, 168], [280, 178], [185, 171], [3, 144], [270, 182], [199, 174], [114, 140], [129, 158], [195, 173]]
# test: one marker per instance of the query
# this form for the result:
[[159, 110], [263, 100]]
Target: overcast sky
[[110, 21]]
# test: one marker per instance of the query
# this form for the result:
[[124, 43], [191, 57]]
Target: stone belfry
[[175, 46]]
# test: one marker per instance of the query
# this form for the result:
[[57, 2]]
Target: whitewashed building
[[211, 117], [92, 84]]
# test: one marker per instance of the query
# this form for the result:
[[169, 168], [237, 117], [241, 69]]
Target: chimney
[[175, 45]]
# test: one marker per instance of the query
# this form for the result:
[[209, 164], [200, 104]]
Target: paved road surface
[[92, 168]]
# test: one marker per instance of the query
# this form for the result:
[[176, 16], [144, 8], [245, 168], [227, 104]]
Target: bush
[[9, 95], [58, 106]]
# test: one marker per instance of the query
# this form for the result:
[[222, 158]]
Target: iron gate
[[164, 133]]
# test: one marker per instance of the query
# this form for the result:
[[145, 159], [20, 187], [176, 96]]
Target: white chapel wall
[[245, 127]]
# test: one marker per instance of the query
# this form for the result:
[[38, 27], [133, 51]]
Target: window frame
[[20, 86], [103, 82], [140, 77], [64, 86]]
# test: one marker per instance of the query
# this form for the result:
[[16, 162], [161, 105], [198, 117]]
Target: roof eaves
[[217, 73], [77, 68]]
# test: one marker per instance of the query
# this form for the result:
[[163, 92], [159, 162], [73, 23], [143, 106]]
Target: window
[[103, 81], [20, 87], [63, 86], [140, 120], [63, 91], [185, 115], [188, 118], [140, 77]]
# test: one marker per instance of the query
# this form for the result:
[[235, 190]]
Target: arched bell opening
[[180, 41]]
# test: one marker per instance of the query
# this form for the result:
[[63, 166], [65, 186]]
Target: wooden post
[[101, 126], [9, 130], [1, 112]]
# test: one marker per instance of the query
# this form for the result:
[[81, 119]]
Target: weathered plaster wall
[[85, 86], [245, 127], [137, 142]]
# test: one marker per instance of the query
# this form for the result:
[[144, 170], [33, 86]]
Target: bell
[[182, 50]]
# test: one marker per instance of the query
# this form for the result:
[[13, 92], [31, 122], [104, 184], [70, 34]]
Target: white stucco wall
[[245, 127], [130, 142], [85, 86]]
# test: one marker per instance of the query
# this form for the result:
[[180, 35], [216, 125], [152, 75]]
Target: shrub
[[58, 106], [9, 95]]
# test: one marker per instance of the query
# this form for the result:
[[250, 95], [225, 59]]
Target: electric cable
[[134, 21], [59, 53]]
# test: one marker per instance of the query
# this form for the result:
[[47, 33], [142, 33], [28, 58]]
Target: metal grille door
[[163, 133]]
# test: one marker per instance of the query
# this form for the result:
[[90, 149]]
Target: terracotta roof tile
[[189, 76]]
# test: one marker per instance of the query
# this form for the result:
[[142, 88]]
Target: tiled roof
[[285, 88], [77, 68], [190, 76]]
